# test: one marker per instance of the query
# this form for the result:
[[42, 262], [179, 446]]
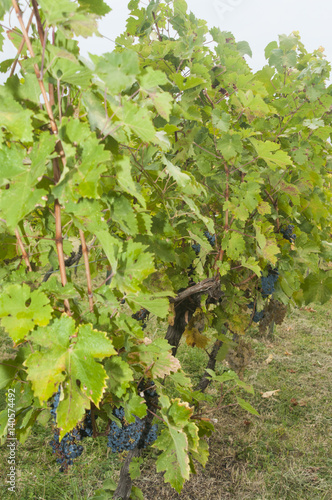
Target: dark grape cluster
[[196, 247], [141, 315], [258, 315], [287, 233], [140, 433], [268, 282], [127, 436], [85, 428], [210, 237], [68, 448]]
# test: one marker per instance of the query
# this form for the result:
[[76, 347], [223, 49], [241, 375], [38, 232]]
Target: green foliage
[[157, 142]]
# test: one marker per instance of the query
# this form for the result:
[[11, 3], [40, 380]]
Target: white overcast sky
[[256, 21]]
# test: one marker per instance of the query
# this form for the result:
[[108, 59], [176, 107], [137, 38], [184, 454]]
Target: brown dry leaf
[[308, 309], [292, 371], [303, 403], [268, 359], [269, 394], [294, 402], [288, 353], [195, 338]]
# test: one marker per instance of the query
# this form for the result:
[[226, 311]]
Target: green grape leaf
[[69, 352], [186, 83], [156, 356], [174, 442], [11, 160], [234, 245], [117, 69], [98, 7], [317, 288], [152, 78], [8, 370], [111, 246], [82, 179], [22, 195], [246, 406], [56, 12], [155, 305], [174, 459], [163, 103], [134, 265], [271, 154], [69, 71], [221, 120], [30, 89], [15, 118], [230, 145], [119, 375], [124, 177], [5, 6], [244, 48], [137, 120], [18, 317], [135, 405]]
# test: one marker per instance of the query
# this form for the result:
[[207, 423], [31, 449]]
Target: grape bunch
[[287, 233], [196, 247], [210, 237], [85, 428], [258, 315], [127, 436], [140, 433], [141, 315], [68, 448], [268, 282]]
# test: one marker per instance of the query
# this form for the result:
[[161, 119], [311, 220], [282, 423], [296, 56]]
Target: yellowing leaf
[[195, 339]]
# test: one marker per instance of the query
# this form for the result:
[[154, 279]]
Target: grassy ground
[[284, 454]]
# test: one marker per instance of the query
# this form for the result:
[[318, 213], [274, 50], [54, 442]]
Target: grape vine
[[162, 180]]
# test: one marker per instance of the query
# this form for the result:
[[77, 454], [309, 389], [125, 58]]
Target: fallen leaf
[[292, 371], [269, 394], [303, 403], [268, 359], [308, 309], [288, 353], [294, 402]]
